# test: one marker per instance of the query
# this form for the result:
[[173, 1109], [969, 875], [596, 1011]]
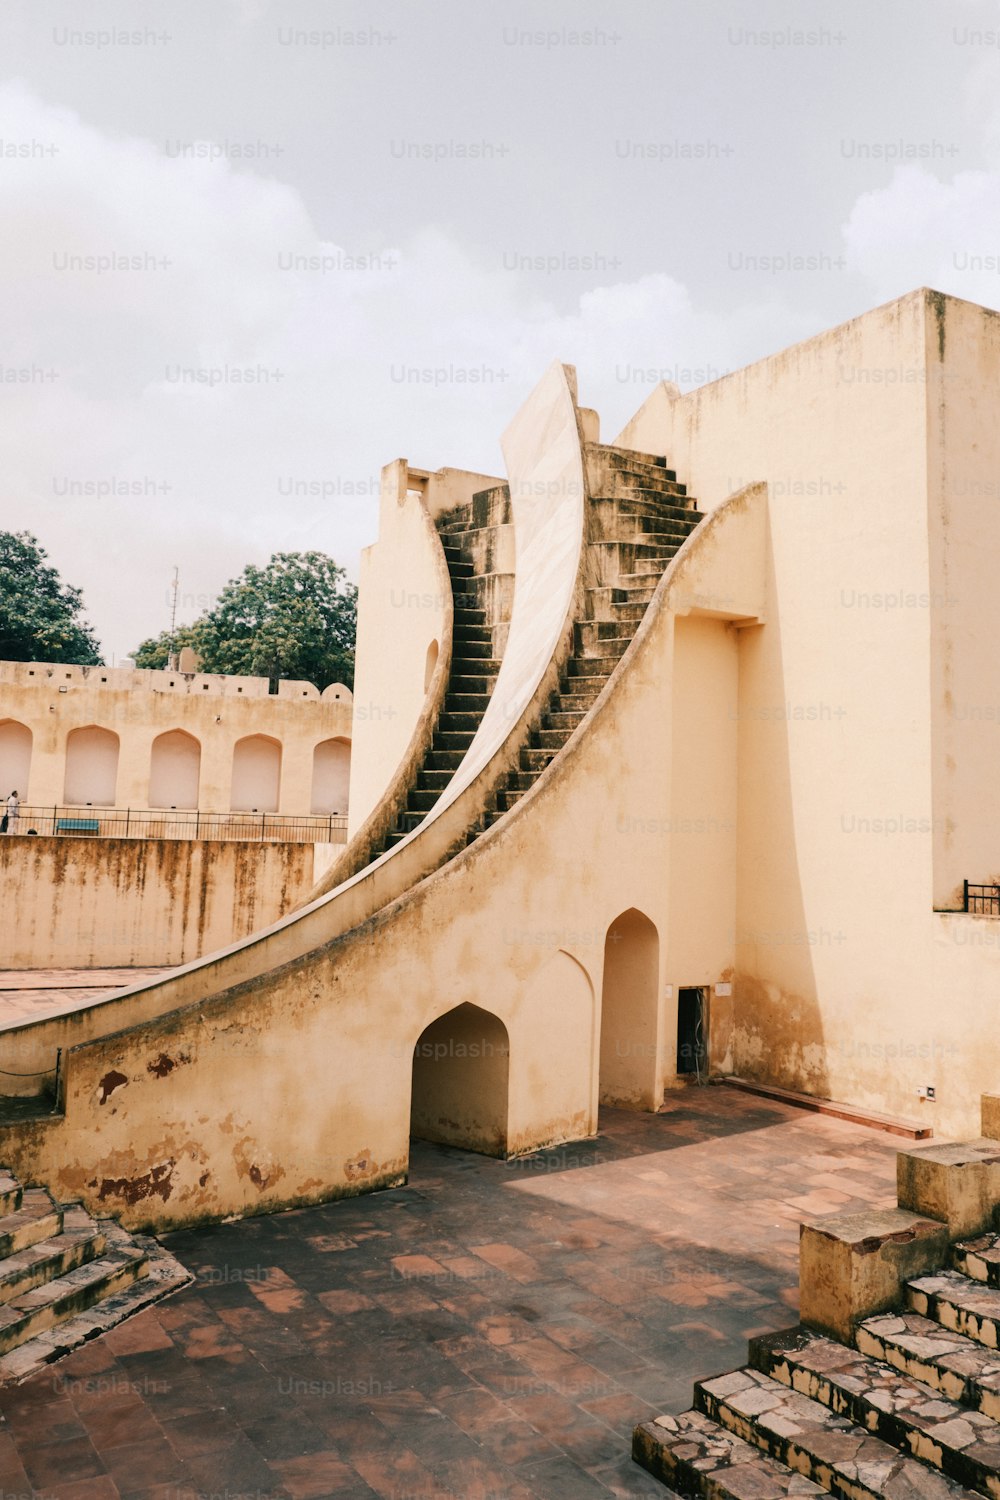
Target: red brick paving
[[493, 1331]]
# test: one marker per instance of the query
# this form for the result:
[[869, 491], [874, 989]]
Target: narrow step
[[903, 1412], [950, 1363], [45, 1305], [698, 1458], [162, 1275], [563, 719], [80, 1240], [38, 1218], [832, 1451], [958, 1304], [10, 1193], [979, 1259], [592, 666]]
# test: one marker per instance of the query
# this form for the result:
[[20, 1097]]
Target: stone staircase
[[483, 597], [903, 1401], [66, 1277], [638, 517]]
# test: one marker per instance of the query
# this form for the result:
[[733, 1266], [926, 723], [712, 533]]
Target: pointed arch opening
[[629, 1013], [331, 777], [91, 767], [16, 741], [460, 1084], [174, 770], [256, 774]]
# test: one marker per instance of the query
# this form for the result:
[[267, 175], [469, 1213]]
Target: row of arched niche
[[91, 770]]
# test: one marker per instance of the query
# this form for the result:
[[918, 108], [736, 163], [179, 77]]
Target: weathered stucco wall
[[863, 798], [58, 704], [83, 902], [963, 502]]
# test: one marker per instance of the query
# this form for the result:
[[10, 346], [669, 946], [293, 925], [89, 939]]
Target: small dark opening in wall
[[272, 685]]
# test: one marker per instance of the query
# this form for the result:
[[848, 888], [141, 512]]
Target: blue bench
[[78, 825]]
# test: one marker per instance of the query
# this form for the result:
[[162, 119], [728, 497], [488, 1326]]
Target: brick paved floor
[[491, 1332]]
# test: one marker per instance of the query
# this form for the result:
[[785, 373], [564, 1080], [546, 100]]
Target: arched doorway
[[331, 776], [91, 767], [256, 774], [460, 1082], [15, 758], [174, 770], [629, 1008]]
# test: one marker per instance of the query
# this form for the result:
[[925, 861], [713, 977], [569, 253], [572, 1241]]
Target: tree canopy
[[40, 616], [294, 618]]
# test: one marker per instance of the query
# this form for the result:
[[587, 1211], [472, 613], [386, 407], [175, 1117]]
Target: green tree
[[294, 618], [40, 616], [155, 652]]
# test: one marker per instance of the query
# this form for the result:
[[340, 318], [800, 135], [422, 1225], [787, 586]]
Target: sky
[[252, 250]]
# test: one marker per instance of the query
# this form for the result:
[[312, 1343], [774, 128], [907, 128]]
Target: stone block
[[957, 1182], [853, 1265], [989, 1109]]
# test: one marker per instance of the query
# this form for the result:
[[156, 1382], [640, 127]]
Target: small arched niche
[[256, 774], [15, 758], [174, 770], [91, 767], [331, 778]]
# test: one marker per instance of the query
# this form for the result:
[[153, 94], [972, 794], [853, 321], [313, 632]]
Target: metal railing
[[983, 900], [169, 823]]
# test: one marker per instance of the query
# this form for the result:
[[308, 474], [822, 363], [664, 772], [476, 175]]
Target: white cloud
[[334, 350]]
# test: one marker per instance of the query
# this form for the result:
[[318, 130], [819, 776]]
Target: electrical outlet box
[[927, 1091]]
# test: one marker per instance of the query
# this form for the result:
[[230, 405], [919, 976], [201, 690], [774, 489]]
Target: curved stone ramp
[[543, 449], [294, 1086]]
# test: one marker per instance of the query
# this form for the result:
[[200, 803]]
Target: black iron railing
[[983, 900], [171, 823]]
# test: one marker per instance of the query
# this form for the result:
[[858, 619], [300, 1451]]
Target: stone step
[[462, 683], [469, 614], [10, 1193], [978, 1258], [465, 635], [592, 666], [587, 688], [615, 457], [432, 781], [574, 703], [631, 610], [162, 1275], [949, 1363], [518, 782], [600, 638], [548, 739], [456, 723], [618, 527], [903, 1412], [564, 720], [830, 1450], [39, 1309], [38, 1218], [447, 761], [958, 1304], [535, 758], [450, 740], [465, 703], [638, 502], [479, 651], [603, 650], [421, 800], [698, 1458], [80, 1240]]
